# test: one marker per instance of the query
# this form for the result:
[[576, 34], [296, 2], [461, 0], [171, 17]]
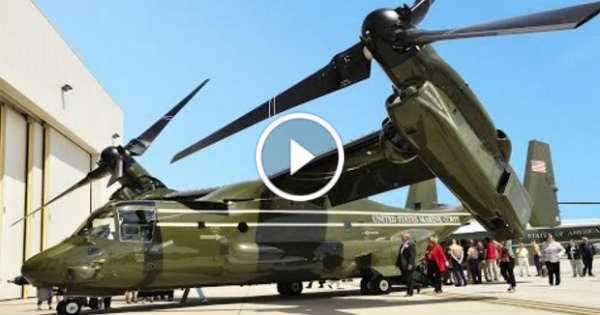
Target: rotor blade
[[579, 203], [419, 10], [561, 19], [140, 144], [116, 173], [96, 174], [346, 68]]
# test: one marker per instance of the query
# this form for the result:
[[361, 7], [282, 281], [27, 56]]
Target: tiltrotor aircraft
[[150, 236]]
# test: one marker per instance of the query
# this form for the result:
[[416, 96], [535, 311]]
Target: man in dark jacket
[[406, 262], [587, 256]]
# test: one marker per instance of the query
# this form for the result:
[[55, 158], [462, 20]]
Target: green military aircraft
[[150, 236], [436, 124]]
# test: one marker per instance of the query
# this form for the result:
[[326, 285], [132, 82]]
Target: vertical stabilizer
[[539, 182], [422, 195]]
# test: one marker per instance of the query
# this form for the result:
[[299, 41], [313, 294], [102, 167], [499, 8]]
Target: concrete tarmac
[[533, 296]]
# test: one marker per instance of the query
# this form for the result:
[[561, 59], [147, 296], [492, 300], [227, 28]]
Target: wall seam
[[2, 166], [28, 223]]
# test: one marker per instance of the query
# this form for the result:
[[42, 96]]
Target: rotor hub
[[382, 23], [110, 155]]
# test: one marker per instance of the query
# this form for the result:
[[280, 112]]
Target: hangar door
[[67, 164], [14, 180]]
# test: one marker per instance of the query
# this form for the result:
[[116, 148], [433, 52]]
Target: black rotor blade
[[116, 173], [561, 19], [346, 68], [419, 10], [96, 174], [139, 145]]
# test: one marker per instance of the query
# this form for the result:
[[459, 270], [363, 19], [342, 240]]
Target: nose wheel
[[68, 307], [290, 288]]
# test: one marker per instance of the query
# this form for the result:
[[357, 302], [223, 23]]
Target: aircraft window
[[101, 227], [137, 225]]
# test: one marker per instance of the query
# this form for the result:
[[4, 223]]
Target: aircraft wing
[[366, 172]]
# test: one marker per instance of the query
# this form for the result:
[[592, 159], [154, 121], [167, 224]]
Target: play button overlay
[[299, 156], [287, 149]]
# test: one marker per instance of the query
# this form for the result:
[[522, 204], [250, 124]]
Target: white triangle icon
[[299, 157]]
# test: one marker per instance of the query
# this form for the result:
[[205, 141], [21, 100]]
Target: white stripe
[[402, 224], [332, 212], [334, 224]]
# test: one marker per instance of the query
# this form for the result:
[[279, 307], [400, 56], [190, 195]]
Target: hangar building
[[55, 119]]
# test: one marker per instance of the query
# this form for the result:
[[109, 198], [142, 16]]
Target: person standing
[[507, 266], [537, 258], [473, 262], [44, 294], [482, 262], [201, 296], [523, 260], [574, 256], [587, 255], [130, 297], [457, 256], [406, 262], [491, 259], [436, 263], [552, 252]]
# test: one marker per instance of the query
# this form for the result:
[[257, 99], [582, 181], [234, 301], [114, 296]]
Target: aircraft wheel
[[68, 307], [296, 288], [364, 286], [96, 303], [107, 301], [380, 285], [290, 288], [283, 289]]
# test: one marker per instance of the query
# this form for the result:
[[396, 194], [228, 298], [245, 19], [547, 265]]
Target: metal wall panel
[[67, 164], [11, 250], [37, 186]]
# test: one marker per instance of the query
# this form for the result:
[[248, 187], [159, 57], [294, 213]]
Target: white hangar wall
[[49, 139]]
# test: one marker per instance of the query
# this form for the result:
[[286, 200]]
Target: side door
[[138, 264]]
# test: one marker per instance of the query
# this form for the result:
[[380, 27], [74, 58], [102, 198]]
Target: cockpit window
[[101, 226], [136, 225]]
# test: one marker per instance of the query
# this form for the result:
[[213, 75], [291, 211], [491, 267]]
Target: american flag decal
[[538, 166]]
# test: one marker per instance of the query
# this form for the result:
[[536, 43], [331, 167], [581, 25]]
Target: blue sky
[[149, 54]]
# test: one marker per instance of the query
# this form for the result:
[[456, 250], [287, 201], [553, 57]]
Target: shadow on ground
[[339, 303]]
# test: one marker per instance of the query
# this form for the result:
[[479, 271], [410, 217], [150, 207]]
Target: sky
[[149, 54]]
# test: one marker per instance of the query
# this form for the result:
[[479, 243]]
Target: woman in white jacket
[[552, 253]]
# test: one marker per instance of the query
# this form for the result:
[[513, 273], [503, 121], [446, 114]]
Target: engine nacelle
[[504, 144], [395, 147]]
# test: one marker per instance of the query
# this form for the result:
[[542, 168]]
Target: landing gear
[[376, 286], [364, 286], [69, 307], [108, 301], [100, 303], [96, 304], [380, 285], [290, 288]]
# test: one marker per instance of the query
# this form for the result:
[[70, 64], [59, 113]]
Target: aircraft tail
[[539, 182], [422, 195]]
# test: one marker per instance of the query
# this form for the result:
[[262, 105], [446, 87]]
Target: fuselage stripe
[[316, 212], [333, 224]]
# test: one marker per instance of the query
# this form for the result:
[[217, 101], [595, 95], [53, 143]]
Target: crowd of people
[[473, 261]]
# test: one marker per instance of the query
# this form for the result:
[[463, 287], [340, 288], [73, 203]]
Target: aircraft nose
[[31, 271], [41, 272]]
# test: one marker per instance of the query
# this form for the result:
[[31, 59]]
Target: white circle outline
[[338, 144]]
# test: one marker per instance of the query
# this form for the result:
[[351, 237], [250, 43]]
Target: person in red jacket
[[436, 263], [491, 260]]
